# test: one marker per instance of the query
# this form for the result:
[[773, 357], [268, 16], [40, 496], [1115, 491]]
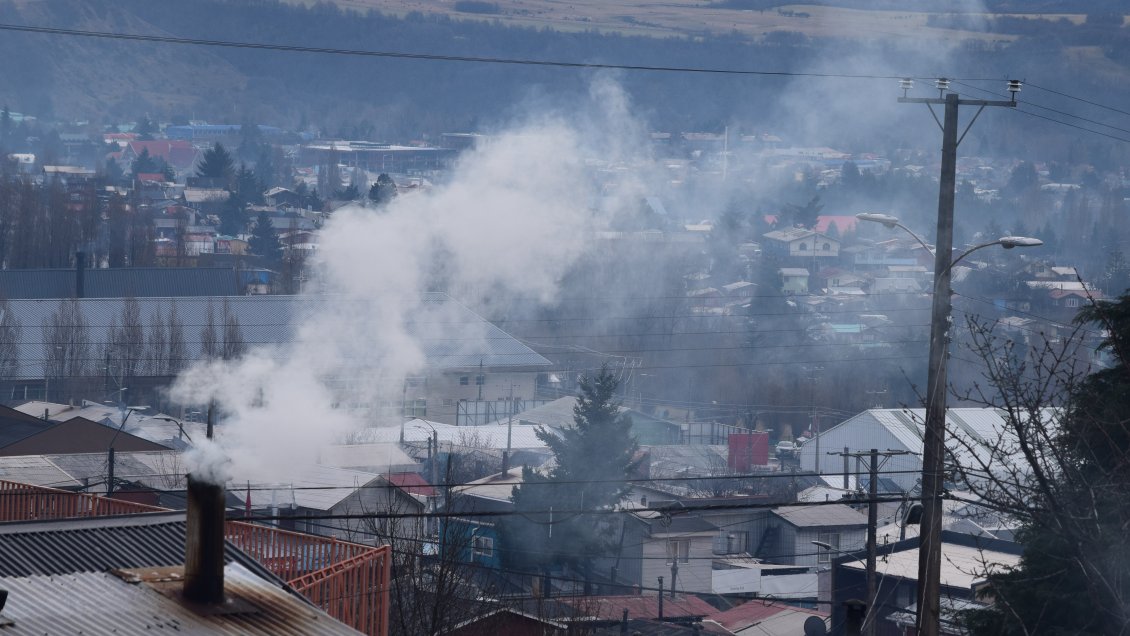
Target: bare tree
[[209, 341], [66, 347], [178, 350], [434, 577], [126, 347], [9, 342], [158, 345], [1059, 470], [234, 345]]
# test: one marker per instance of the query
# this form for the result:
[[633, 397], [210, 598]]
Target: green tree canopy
[[804, 215], [264, 240], [593, 460], [217, 164], [383, 190]]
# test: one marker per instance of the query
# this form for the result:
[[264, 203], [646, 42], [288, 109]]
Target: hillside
[[106, 80]]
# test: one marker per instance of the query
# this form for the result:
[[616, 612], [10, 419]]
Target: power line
[[1080, 99], [433, 57]]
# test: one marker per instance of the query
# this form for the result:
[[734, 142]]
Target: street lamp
[[934, 438], [868, 624], [110, 462], [891, 222]]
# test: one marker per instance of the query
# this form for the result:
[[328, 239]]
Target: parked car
[[787, 449]]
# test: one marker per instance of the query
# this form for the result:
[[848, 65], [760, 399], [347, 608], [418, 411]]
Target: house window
[[827, 247], [480, 380], [464, 380], [416, 408], [803, 247], [678, 549], [1072, 302], [482, 547], [832, 539]]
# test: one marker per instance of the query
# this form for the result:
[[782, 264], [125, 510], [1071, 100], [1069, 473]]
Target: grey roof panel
[[98, 545], [821, 516], [450, 335], [137, 282]]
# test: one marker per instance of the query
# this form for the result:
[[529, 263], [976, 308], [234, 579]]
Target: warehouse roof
[[137, 282], [450, 335]]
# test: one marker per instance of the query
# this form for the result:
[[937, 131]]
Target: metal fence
[[349, 581]]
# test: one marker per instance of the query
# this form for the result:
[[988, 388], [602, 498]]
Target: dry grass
[[693, 18]]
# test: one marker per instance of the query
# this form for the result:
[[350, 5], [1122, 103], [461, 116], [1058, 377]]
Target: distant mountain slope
[[108, 80]]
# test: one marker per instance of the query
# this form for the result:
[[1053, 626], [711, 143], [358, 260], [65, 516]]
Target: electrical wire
[[433, 57]]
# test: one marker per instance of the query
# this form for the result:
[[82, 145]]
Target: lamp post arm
[[926, 246]]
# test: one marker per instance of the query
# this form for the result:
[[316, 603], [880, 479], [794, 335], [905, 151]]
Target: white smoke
[[511, 220]]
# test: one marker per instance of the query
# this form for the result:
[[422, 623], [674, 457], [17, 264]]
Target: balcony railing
[[349, 581]]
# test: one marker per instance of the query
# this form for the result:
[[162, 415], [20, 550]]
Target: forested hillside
[[112, 80]]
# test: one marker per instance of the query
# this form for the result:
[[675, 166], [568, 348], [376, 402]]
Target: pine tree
[[264, 240], [217, 164], [593, 460], [383, 191]]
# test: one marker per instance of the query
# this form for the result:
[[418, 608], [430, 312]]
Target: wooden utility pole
[[934, 446], [872, 526]]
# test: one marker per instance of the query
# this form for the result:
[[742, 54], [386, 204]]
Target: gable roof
[[825, 515], [759, 612], [791, 234], [411, 483], [181, 155], [13, 429], [76, 435]]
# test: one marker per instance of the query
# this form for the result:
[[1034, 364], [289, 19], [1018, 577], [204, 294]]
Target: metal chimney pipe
[[80, 274], [204, 543]]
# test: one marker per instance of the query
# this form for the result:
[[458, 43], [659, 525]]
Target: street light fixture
[[934, 436], [892, 222], [110, 458]]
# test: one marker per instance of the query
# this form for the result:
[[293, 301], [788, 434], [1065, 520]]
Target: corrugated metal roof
[[103, 603], [522, 436], [137, 282], [311, 486], [99, 544], [973, 432], [36, 470], [74, 469], [450, 335], [821, 516], [756, 611], [962, 565]]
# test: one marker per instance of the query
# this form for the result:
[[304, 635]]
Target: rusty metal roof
[[103, 602]]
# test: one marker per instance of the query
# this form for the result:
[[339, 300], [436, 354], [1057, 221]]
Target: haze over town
[[529, 317]]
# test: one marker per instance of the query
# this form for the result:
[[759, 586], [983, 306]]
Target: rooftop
[[273, 320], [127, 603], [962, 565], [821, 516]]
